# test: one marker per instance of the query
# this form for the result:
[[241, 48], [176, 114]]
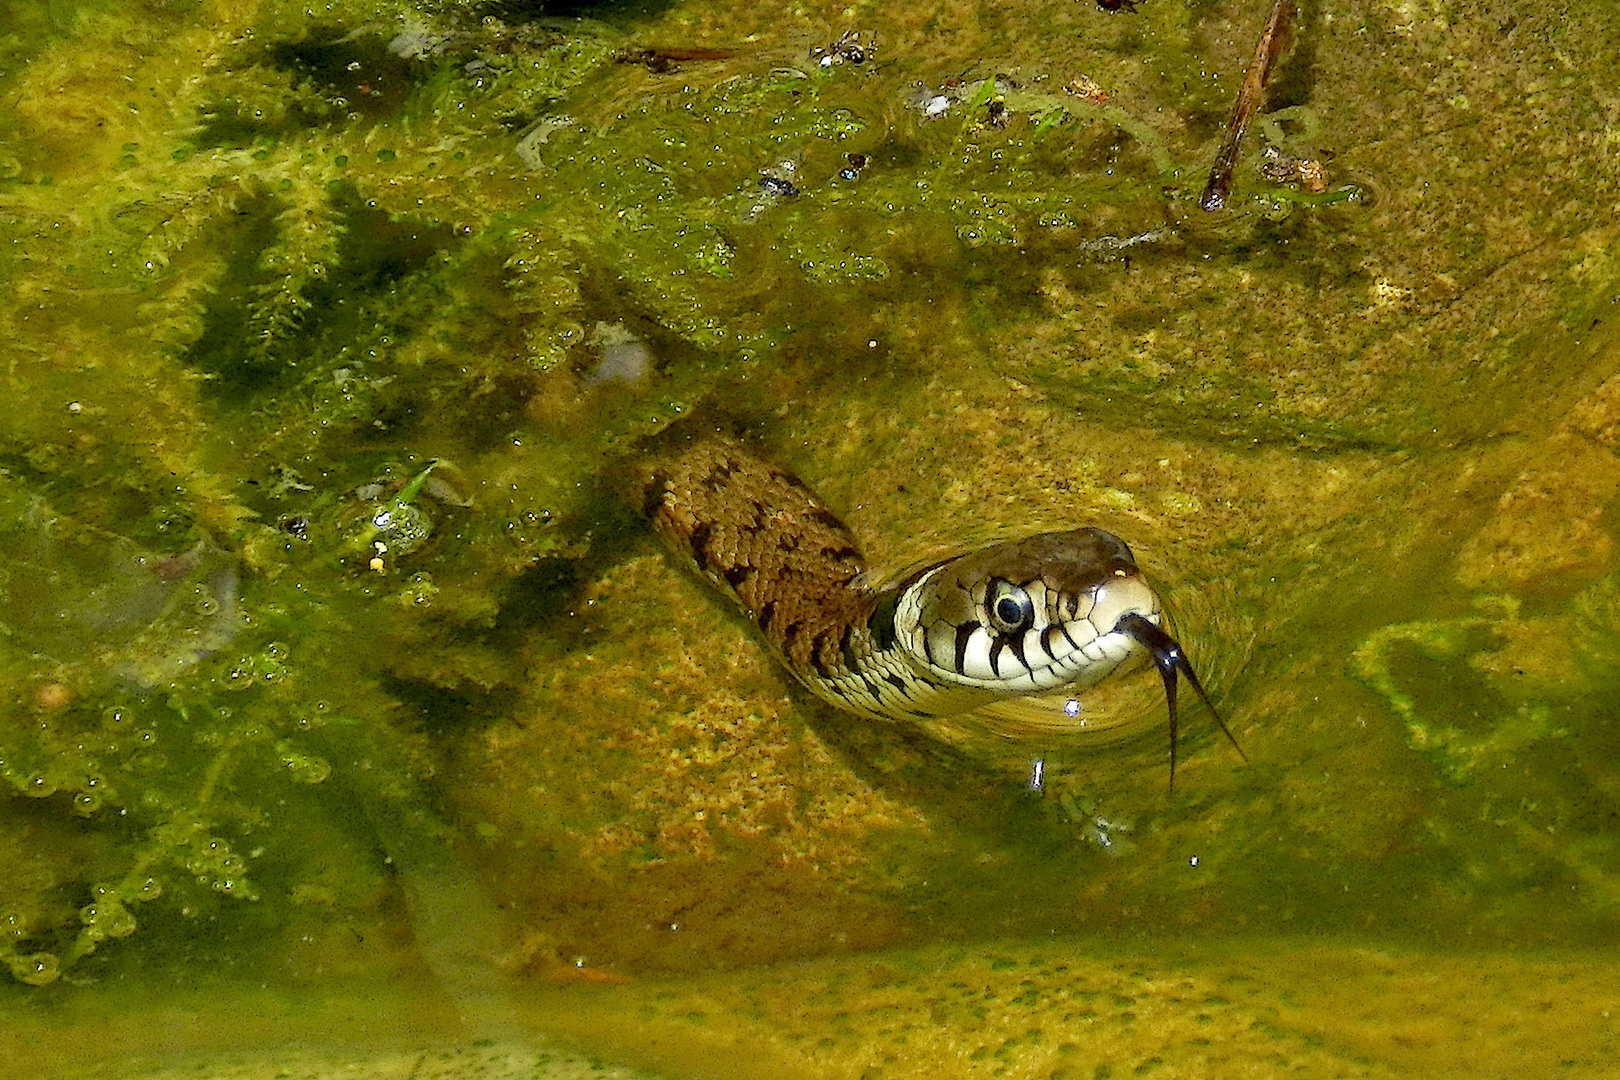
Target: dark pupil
[[1009, 611]]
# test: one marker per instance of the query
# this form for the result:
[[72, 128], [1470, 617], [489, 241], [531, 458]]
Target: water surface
[[348, 698]]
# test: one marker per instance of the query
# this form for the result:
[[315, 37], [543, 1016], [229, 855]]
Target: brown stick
[[1272, 42]]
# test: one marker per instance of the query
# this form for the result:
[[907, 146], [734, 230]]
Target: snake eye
[[1010, 607]]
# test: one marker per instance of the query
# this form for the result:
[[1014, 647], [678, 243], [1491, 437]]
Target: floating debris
[[852, 46], [661, 60], [1273, 41], [775, 183]]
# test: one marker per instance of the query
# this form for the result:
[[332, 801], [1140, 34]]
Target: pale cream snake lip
[[1024, 617]]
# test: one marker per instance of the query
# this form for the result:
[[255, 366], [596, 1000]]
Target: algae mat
[[1014, 1011], [333, 659]]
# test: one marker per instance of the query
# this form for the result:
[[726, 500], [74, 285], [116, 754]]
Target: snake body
[[1030, 616]]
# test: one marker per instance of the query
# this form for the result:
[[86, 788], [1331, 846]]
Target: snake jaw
[[1171, 661], [1028, 617], [1047, 650]]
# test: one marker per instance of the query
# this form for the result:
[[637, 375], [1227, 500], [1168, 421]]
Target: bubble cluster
[[305, 768], [261, 668], [405, 527], [107, 919]]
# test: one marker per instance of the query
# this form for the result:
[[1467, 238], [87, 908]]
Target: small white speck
[[1193, 861], [1071, 708], [75, 408]]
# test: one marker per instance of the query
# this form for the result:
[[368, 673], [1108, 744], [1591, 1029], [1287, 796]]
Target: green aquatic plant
[[1502, 705], [181, 728], [307, 407]]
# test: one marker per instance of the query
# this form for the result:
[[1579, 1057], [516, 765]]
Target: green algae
[[280, 272], [316, 251], [1008, 1009]]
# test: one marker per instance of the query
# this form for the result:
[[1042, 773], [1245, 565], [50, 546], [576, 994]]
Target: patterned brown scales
[[760, 536]]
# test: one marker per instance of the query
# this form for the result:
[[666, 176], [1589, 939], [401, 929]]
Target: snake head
[[1029, 615], [1056, 610]]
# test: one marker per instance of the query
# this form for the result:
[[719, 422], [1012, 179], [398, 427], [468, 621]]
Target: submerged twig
[[1273, 40], [662, 60]]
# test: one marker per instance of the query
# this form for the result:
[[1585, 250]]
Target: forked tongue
[[1168, 656]]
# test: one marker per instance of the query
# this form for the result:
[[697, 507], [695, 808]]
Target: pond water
[[357, 724]]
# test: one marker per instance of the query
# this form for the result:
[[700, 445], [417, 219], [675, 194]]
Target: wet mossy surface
[[328, 328]]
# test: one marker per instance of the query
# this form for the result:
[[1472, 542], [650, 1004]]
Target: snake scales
[[1025, 617]]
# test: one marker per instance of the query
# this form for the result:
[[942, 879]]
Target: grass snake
[[1056, 611]]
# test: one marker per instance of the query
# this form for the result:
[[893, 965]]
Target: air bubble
[[37, 969], [240, 888]]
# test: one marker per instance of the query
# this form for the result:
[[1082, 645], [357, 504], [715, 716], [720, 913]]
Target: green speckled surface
[[337, 673]]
